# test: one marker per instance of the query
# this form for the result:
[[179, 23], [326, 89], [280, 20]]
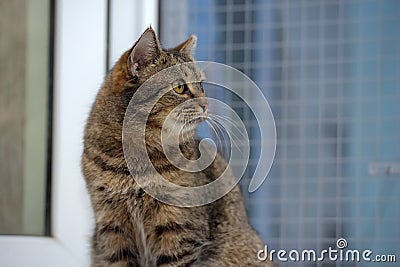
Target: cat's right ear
[[187, 46], [144, 51]]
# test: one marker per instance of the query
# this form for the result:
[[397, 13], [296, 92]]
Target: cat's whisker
[[238, 143], [227, 119], [210, 123], [225, 139], [218, 132], [221, 126], [232, 123], [216, 135]]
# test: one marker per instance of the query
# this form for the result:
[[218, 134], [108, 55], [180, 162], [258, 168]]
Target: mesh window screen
[[331, 73]]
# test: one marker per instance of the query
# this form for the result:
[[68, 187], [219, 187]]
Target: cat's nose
[[204, 106]]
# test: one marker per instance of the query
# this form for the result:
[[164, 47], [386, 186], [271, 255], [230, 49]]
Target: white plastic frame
[[80, 63], [80, 49]]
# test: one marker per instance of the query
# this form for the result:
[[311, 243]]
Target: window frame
[[80, 42], [71, 217]]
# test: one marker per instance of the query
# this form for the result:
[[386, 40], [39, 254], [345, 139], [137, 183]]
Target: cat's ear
[[187, 47], [144, 51]]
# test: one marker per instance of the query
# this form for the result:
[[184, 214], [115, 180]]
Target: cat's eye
[[179, 88]]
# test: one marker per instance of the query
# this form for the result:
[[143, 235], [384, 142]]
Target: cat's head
[[184, 103]]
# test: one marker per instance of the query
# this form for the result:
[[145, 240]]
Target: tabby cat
[[131, 227]]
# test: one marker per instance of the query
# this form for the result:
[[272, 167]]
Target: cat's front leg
[[112, 247], [176, 236]]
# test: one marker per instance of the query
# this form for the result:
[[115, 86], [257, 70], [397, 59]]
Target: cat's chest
[[147, 217]]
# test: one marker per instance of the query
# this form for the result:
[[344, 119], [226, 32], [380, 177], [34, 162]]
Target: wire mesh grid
[[330, 70]]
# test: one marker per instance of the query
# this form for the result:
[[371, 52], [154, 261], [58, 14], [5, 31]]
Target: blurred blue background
[[331, 73]]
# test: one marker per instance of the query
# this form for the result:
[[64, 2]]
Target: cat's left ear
[[187, 47], [144, 51]]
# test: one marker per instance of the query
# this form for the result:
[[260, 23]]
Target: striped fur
[[134, 229]]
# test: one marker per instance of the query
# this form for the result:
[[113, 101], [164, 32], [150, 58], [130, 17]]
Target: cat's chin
[[179, 128], [175, 127], [192, 124], [189, 127]]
